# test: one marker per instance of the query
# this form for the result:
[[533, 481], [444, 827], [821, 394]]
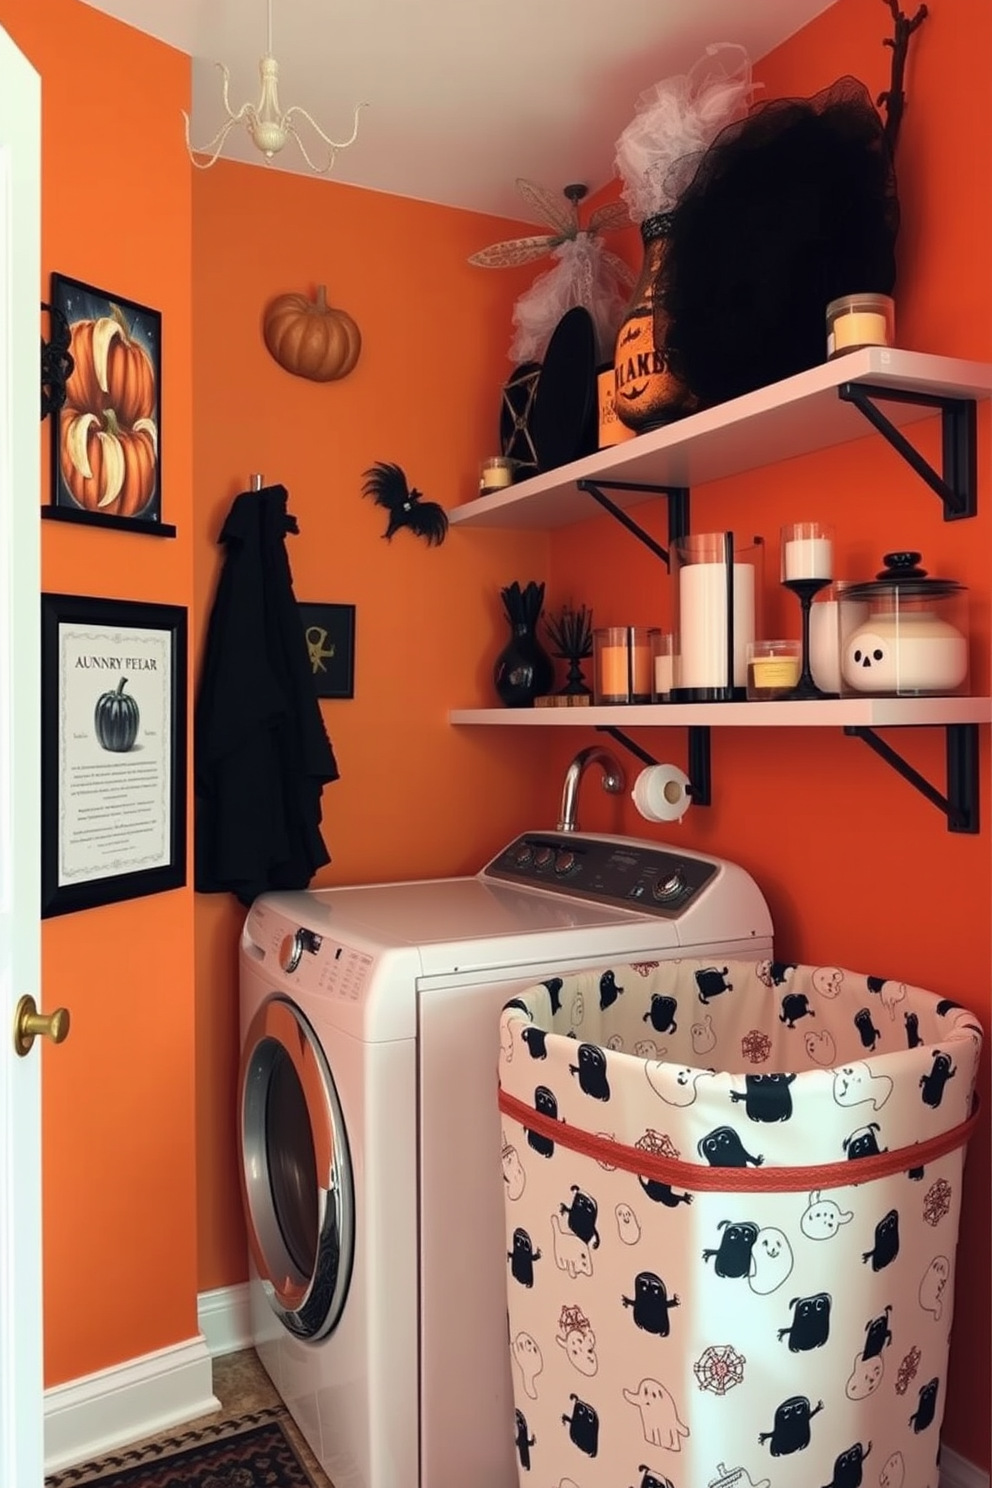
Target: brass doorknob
[[29, 1024]]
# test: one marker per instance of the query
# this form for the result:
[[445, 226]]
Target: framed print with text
[[113, 750]]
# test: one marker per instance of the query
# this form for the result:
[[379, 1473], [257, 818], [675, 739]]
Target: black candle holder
[[571, 635], [806, 590]]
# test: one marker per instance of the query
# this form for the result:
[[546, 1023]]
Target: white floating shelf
[[794, 417], [818, 713]]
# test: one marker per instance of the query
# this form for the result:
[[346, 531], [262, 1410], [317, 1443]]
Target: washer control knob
[[564, 863], [544, 857], [290, 951], [523, 854], [669, 886]]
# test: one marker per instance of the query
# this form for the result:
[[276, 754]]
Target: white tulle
[[586, 274], [675, 121]]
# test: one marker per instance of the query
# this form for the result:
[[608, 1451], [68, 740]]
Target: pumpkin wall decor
[[310, 338], [116, 719], [106, 441]]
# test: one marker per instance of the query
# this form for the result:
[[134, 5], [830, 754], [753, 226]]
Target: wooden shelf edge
[[830, 713]]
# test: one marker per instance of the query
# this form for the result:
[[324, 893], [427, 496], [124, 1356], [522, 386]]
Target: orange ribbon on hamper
[[701, 1178]]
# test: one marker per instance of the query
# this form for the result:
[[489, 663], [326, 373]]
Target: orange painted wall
[[848, 855], [119, 1191], [415, 798], [858, 868]]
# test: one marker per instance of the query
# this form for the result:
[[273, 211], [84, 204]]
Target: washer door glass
[[295, 1171]]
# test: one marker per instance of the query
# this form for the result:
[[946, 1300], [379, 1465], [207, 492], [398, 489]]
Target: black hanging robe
[[261, 753]]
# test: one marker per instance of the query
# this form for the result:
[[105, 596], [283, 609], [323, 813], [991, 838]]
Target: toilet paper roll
[[661, 793]]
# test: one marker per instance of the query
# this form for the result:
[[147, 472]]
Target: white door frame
[[21, 1375]]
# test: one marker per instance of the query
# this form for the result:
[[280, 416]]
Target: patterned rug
[[253, 1451]]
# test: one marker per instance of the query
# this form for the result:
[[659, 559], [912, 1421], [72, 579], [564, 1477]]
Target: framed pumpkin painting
[[107, 436], [113, 751]]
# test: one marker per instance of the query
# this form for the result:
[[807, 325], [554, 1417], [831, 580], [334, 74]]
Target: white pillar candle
[[809, 558], [703, 623], [664, 673]]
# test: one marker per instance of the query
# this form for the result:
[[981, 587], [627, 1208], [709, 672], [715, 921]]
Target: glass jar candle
[[623, 664], [496, 474], [663, 663], [773, 669], [860, 320]]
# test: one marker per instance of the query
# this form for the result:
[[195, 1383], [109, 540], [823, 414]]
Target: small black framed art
[[329, 631]]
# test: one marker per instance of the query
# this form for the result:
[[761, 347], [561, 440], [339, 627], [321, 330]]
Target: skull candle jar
[[914, 641]]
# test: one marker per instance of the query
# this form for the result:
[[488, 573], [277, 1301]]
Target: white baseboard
[[225, 1319], [100, 1412], [958, 1472]]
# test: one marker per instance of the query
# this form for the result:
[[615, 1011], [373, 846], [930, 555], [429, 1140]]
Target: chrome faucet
[[613, 781]]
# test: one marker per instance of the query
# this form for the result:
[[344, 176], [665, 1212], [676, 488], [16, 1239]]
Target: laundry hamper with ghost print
[[732, 1197]]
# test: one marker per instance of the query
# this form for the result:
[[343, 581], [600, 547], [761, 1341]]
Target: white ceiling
[[464, 95]]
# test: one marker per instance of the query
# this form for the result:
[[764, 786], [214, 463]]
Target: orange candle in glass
[[623, 664]]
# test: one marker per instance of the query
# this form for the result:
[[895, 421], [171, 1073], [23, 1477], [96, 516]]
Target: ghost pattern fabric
[[666, 1338]]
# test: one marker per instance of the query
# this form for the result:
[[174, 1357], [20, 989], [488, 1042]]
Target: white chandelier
[[267, 125]]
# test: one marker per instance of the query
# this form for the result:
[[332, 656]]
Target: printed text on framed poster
[[113, 750]]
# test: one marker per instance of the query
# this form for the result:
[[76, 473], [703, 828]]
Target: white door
[[21, 1407]]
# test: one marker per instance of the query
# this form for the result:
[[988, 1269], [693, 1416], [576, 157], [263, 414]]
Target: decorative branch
[[893, 100]]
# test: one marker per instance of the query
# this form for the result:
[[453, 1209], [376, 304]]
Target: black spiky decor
[[388, 487], [571, 635]]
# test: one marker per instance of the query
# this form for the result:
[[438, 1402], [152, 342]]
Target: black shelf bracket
[[678, 510], [957, 484], [960, 805], [699, 757]]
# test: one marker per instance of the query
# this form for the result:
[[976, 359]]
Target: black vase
[[523, 670]]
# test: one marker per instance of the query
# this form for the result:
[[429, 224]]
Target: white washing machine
[[370, 1134]]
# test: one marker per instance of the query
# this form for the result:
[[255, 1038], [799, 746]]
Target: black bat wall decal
[[387, 485]]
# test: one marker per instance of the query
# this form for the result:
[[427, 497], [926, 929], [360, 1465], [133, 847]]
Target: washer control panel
[[316, 962], [649, 879]]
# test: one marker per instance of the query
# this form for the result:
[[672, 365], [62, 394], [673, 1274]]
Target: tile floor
[[242, 1385]]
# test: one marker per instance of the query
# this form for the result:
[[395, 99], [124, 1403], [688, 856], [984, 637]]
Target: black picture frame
[[113, 763], [329, 631], [116, 348]]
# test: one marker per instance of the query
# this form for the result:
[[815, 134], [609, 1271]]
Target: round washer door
[[296, 1179]]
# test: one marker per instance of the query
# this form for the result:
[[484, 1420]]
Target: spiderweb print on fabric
[[937, 1202], [719, 1368], [907, 1370], [658, 1144], [573, 1320], [756, 1046]]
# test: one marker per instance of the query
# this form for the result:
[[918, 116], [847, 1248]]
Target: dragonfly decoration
[[567, 229], [585, 272]]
